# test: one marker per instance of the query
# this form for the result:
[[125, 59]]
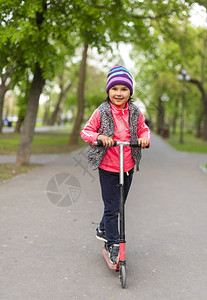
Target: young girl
[[117, 119]]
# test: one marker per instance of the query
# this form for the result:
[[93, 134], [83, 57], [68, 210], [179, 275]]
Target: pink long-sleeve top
[[110, 161]]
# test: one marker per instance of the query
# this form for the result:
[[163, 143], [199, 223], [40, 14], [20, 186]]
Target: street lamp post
[[183, 76]]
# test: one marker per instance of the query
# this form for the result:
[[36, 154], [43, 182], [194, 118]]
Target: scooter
[[121, 260]]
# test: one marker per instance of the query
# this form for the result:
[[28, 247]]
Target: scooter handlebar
[[100, 143], [134, 144], [117, 143]]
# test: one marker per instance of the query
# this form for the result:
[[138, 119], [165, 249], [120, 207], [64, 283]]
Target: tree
[[7, 70], [95, 90], [201, 83], [133, 22], [22, 97], [5, 85], [36, 29], [39, 29], [79, 117], [180, 45], [93, 32], [204, 103], [63, 92], [25, 146]]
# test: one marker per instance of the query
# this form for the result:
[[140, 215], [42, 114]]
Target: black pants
[[111, 197]]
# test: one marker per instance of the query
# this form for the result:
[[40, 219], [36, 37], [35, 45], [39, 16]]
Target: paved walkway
[[50, 252]]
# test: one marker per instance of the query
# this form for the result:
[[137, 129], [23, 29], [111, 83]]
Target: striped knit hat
[[119, 75]]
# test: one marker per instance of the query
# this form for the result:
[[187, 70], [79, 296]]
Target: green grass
[[191, 143], [43, 143], [8, 171]]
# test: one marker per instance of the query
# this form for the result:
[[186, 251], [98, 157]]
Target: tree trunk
[[174, 123], [205, 119], [25, 146], [203, 92], [160, 117], [204, 102], [46, 114], [198, 123], [2, 94], [57, 108], [79, 117], [4, 87], [18, 124], [53, 118], [175, 118], [198, 133], [22, 106]]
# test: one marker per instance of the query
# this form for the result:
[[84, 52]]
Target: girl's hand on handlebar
[[107, 141], [143, 142]]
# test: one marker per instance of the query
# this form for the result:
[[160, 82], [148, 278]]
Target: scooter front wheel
[[122, 275]]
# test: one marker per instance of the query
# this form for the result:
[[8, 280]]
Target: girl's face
[[119, 95]]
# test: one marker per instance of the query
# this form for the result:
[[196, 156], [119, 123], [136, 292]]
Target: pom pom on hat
[[119, 75]]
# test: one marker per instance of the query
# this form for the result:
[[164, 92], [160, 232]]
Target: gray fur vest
[[95, 153]]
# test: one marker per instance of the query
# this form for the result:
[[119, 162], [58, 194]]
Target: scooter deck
[[114, 267]]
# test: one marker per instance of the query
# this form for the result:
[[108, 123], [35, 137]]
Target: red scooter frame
[[121, 261]]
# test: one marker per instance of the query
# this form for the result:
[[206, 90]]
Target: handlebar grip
[[134, 144], [99, 143]]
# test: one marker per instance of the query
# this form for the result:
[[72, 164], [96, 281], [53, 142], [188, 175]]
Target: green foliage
[[181, 45], [95, 92], [31, 28], [191, 144], [35, 31], [48, 33], [22, 96], [95, 86]]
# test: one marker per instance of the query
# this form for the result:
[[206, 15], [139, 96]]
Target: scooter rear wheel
[[122, 275]]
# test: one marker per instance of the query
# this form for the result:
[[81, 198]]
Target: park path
[[49, 252]]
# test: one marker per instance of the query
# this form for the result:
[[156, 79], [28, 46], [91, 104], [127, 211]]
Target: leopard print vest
[[95, 153]]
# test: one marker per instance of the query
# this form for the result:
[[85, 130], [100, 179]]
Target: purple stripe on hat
[[120, 80], [119, 75], [124, 73], [114, 80]]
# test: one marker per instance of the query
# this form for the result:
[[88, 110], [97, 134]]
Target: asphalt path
[[48, 248]]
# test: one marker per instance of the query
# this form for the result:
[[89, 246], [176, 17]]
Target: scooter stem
[[122, 200], [121, 164]]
